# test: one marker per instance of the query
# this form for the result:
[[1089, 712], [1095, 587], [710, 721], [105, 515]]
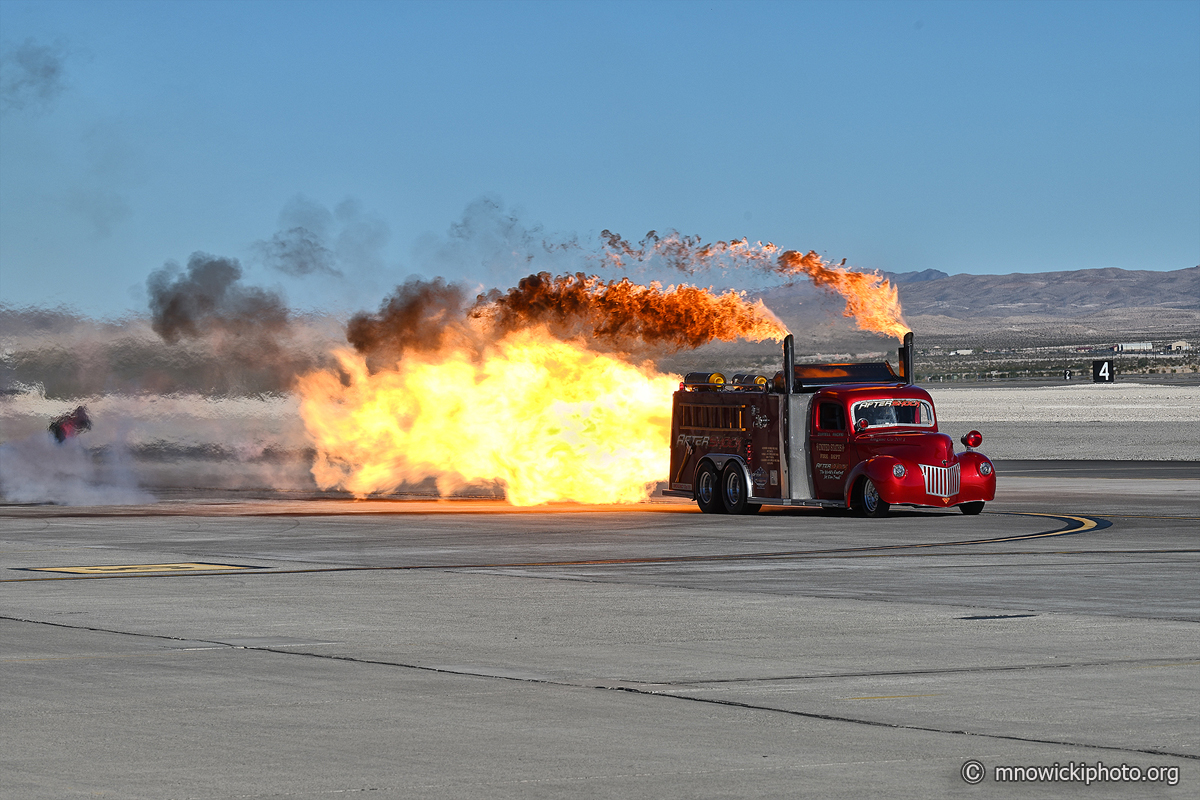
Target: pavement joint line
[[1075, 524], [1150, 516], [559, 779], [892, 696], [899, 726], [217, 645], [1137, 663], [618, 688]]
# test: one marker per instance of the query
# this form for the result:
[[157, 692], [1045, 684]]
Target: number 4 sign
[[1102, 372]]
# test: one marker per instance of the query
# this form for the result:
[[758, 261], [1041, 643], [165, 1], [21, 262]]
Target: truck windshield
[[890, 411]]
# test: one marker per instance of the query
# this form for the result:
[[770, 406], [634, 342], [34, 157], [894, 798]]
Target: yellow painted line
[[127, 569], [157, 570], [1085, 524], [891, 696]]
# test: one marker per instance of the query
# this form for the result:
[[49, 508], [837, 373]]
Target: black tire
[[971, 509], [735, 494], [708, 490], [867, 502]]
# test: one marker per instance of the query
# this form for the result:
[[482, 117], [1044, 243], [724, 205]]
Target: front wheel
[[707, 494], [867, 501], [971, 509]]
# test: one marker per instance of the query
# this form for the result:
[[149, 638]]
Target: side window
[[831, 417]]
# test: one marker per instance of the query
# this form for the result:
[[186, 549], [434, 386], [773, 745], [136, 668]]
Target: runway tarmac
[[221, 648]]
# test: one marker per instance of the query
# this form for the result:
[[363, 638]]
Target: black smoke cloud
[[313, 240], [209, 297], [31, 75], [418, 316], [247, 329]]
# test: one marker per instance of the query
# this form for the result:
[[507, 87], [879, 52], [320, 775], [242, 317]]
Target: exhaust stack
[[906, 359], [789, 364]]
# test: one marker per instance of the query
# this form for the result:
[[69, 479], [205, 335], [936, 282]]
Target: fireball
[[536, 390], [547, 419]]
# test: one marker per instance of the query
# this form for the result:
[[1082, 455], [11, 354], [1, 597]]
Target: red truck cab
[[841, 435]]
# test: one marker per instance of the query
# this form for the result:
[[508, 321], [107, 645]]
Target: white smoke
[[37, 469]]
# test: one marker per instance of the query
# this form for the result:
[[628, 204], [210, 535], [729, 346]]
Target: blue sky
[[966, 137]]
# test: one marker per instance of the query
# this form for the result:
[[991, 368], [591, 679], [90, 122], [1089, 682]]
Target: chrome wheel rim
[[733, 489], [870, 496], [707, 486]]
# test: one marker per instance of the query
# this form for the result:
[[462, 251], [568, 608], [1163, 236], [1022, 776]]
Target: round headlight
[[985, 468], [898, 470]]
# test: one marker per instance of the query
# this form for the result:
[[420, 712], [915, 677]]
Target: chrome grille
[[940, 481]]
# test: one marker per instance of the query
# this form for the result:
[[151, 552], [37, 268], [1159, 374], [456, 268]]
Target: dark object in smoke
[[298, 251], [31, 75], [209, 297], [70, 425], [688, 254], [415, 317]]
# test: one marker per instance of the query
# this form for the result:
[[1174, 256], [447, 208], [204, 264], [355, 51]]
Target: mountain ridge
[[1019, 308]]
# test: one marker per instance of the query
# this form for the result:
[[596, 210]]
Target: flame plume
[[622, 314], [871, 299], [514, 390], [547, 419]]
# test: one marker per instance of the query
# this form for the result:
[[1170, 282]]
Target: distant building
[[1134, 347], [1176, 347], [961, 352]]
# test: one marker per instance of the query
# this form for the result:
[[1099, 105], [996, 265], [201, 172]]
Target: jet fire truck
[[856, 435]]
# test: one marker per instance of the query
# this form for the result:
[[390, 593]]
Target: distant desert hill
[[73, 356], [1020, 309], [1071, 294]]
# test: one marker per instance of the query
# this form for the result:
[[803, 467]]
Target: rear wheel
[[971, 509], [867, 501], [708, 496], [734, 491]]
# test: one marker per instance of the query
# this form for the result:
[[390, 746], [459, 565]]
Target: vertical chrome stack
[[906, 359]]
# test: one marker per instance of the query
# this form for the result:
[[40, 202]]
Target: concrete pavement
[[467, 650]]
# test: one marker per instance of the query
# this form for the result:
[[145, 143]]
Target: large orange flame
[[871, 299], [622, 314], [547, 419], [514, 390]]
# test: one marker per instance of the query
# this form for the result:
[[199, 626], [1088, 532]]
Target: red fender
[[879, 470], [976, 485]]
